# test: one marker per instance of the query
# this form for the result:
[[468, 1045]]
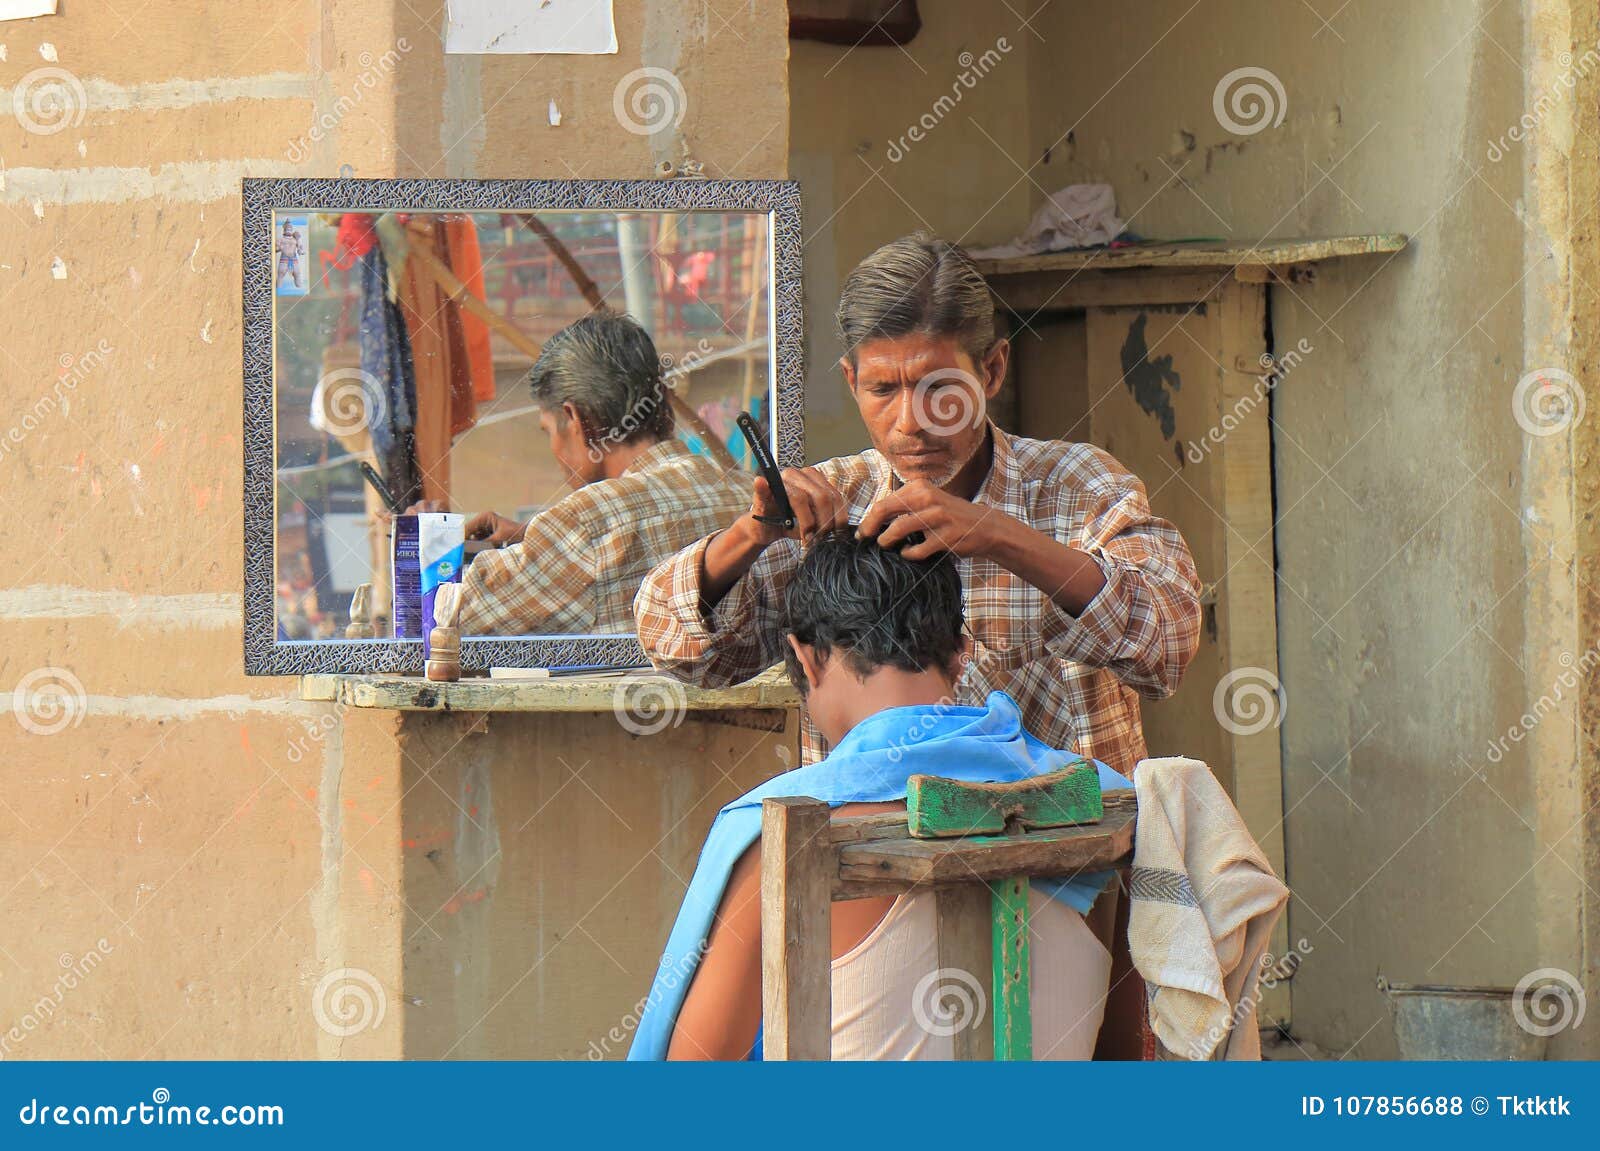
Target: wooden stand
[[444, 641]]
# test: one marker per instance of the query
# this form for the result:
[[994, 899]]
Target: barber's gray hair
[[918, 283], [606, 366]]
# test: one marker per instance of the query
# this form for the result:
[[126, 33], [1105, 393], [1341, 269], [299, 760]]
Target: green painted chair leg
[[1013, 1008]]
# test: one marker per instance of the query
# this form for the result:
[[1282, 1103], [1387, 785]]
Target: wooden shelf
[[1150, 275], [1266, 254], [770, 690]]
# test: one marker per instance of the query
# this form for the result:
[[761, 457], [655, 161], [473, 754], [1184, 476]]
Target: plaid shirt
[[580, 561], [1077, 679]]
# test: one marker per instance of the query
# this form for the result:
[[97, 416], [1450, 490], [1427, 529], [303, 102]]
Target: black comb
[[769, 472]]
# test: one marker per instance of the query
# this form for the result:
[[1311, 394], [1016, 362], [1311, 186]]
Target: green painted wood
[[1013, 1007], [991, 813], [937, 808]]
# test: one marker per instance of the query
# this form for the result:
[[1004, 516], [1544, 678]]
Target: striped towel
[[1204, 902]]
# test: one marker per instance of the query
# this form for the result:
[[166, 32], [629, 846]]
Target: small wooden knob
[[444, 641], [443, 670]]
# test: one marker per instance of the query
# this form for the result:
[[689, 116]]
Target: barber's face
[[570, 446], [924, 401]]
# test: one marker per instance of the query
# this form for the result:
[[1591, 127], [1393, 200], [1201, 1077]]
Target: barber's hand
[[948, 523], [495, 528], [818, 506]]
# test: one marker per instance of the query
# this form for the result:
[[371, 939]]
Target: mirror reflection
[[540, 406]]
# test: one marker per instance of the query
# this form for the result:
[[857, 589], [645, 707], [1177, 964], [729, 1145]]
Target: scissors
[[769, 472]]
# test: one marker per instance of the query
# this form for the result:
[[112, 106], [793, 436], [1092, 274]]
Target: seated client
[[874, 643]]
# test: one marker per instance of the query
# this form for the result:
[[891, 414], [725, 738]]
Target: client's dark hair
[[873, 606]]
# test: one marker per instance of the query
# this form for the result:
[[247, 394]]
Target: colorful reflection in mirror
[[403, 344]]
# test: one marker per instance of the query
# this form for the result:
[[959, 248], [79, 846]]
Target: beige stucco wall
[[544, 861], [1420, 614], [865, 178], [228, 857]]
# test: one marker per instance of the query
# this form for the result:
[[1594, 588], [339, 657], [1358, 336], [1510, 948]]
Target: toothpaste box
[[427, 551]]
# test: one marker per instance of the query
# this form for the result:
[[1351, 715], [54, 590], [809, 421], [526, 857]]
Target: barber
[[1078, 600]]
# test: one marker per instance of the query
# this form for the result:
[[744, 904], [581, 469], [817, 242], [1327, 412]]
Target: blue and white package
[[429, 548]]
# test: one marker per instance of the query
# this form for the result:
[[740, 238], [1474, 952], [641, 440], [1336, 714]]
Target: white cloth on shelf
[[1078, 216]]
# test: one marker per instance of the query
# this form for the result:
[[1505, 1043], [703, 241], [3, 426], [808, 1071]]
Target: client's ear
[[806, 656]]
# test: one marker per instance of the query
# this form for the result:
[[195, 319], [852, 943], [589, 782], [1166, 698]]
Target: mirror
[[399, 324]]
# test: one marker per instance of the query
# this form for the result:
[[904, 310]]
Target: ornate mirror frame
[[264, 652]]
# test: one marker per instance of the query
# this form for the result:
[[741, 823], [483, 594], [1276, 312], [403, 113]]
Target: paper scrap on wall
[[578, 27], [26, 9]]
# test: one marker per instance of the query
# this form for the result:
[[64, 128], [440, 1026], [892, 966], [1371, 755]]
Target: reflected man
[[640, 496]]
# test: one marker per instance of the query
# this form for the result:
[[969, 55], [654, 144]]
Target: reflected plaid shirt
[[580, 561], [1077, 679]]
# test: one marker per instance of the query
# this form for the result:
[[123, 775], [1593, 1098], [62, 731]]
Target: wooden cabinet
[[1161, 355]]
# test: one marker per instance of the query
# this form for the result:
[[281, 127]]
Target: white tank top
[[888, 1003]]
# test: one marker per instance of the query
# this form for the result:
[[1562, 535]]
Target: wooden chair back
[[975, 846]]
